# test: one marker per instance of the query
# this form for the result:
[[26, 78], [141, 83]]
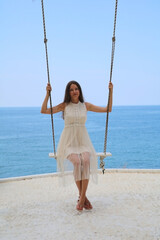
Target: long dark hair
[[67, 98]]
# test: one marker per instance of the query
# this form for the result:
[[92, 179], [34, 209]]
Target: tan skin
[[74, 94]]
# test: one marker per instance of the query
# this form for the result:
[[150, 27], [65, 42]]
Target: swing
[[104, 154]]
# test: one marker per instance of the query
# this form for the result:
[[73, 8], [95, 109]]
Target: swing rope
[[111, 70], [102, 164], [45, 42]]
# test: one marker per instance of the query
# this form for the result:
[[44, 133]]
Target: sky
[[79, 44]]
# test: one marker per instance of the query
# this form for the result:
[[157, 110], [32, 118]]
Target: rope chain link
[[111, 70], [45, 42]]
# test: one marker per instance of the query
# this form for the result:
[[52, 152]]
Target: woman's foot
[[79, 206], [80, 203], [87, 204]]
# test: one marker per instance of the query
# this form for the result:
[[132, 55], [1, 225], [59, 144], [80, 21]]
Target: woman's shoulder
[[87, 104]]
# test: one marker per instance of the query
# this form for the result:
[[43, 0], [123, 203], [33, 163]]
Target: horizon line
[[132, 105]]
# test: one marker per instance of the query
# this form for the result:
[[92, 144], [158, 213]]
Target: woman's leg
[[83, 200], [81, 173], [83, 191], [79, 186], [85, 172], [76, 161], [85, 160]]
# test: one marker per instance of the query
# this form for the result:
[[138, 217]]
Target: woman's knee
[[74, 158], [86, 159]]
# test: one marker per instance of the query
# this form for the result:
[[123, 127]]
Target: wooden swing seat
[[102, 155]]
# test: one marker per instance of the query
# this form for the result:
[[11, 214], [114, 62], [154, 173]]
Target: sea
[[133, 138]]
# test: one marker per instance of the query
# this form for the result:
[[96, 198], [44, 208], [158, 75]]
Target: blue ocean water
[[26, 139]]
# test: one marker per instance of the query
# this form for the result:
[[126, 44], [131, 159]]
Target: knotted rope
[[111, 71], [45, 42]]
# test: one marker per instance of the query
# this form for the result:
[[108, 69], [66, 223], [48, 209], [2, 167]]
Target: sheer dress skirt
[[81, 163]]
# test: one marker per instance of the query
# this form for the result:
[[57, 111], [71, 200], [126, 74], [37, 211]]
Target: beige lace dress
[[75, 150]]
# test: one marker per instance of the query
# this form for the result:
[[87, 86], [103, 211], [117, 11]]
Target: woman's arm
[[55, 109], [93, 108]]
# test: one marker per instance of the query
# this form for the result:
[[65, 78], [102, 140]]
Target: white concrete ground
[[126, 205]]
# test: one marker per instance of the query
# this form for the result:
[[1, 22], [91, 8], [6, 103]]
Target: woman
[[75, 147]]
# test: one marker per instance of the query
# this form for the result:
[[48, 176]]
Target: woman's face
[[74, 93]]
